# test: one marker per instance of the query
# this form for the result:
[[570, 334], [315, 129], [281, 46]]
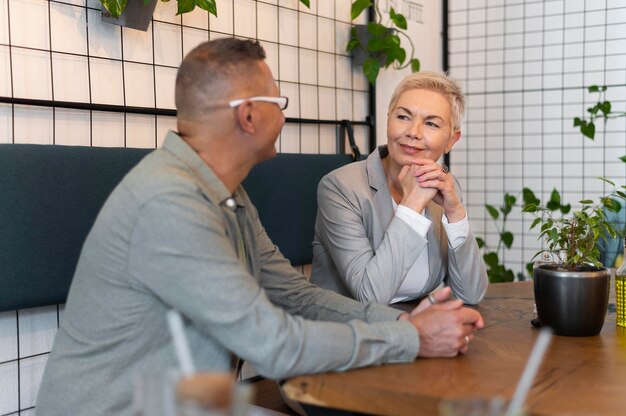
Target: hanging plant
[[381, 44], [116, 7]]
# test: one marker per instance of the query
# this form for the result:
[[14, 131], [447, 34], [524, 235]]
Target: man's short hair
[[214, 70], [437, 82]]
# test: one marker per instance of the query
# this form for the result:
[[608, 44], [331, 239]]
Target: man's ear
[[246, 117], [456, 136]]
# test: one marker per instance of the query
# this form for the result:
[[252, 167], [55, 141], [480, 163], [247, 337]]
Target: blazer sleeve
[[467, 275], [369, 273]]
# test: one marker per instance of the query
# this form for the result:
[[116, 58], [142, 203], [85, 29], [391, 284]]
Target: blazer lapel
[[381, 197]]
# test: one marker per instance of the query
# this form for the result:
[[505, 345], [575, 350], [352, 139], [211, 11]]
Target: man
[[180, 232]]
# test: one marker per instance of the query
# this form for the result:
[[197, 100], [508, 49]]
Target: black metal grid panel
[[315, 73], [525, 66]]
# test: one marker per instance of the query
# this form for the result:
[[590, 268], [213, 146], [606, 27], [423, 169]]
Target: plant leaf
[[613, 205], [588, 130], [358, 6], [371, 67], [529, 197], [555, 201], [491, 259], [593, 88], [535, 222], [607, 181], [115, 7], [398, 19], [376, 29], [352, 44], [565, 208], [401, 56], [623, 158], [480, 242], [211, 7], [507, 238], [577, 122], [185, 6], [307, 3], [415, 67], [492, 211], [529, 208]]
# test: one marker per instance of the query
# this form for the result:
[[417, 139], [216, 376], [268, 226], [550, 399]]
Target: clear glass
[[158, 393], [620, 291]]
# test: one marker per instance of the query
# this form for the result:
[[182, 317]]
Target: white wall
[[60, 50], [424, 18]]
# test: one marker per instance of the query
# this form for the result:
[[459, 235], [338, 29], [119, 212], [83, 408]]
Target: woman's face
[[419, 126]]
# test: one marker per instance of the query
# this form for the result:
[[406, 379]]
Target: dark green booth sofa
[[50, 196]]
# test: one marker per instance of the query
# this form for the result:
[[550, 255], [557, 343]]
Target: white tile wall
[[70, 75], [72, 127], [5, 68], [61, 50], [537, 71], [68, 27], [25, 15], [167, 44], [31, 73], [6, 127], [4, 22]]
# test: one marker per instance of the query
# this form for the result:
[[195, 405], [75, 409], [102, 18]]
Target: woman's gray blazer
[[362, 250]]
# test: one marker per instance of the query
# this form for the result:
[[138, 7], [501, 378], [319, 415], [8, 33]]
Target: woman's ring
[[445, 168], [431, 299]]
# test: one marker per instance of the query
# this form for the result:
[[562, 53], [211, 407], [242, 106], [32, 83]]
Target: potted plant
[[137, 10], [137, 14], [377, 44], [572, 294]]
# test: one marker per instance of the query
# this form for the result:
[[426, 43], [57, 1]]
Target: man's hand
[[446, 327]]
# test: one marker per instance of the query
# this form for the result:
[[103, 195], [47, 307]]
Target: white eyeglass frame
[[282, 101]]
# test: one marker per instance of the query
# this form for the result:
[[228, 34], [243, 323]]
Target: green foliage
[[496, 271], [601, 110], [384, 46], [576, 235]]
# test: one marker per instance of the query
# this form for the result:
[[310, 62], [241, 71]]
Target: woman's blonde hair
[[437, 82]]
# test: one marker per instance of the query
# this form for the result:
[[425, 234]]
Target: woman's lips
[[409, 149]]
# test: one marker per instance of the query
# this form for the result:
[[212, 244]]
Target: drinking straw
[[534, 361], [175, 323]]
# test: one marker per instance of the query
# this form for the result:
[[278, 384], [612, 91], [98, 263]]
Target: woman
[[393, 227]]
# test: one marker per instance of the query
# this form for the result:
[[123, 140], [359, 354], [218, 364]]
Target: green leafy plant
[[590, 217], [496, 269], [601, 110], [116, 7], [383, 46], [573, 239]]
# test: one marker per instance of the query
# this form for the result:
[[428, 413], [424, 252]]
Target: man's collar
[[211, 185]]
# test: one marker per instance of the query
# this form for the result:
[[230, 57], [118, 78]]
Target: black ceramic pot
[[136, 15], [572, 303], [358, 55]]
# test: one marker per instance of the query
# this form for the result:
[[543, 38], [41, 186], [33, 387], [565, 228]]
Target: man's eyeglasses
[[282, 102]]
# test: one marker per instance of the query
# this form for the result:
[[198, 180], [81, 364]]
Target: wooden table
[[579, 376]]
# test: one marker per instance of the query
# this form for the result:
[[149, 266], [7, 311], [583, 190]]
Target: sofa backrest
[[50, 196]]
